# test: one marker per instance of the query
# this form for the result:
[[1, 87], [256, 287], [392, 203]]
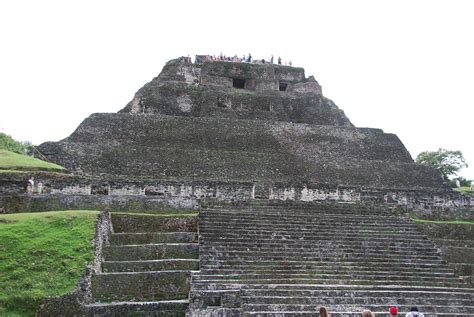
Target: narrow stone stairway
[[288, 259], [147, 266]]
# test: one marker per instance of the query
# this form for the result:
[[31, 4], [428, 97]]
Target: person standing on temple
[[271, 59], [279, 60], [249, 58]]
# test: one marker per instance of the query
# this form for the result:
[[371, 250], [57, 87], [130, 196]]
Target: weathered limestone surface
[[193, 123], [166, 147]]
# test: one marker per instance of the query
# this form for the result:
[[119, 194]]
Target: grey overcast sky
[[406, 67]]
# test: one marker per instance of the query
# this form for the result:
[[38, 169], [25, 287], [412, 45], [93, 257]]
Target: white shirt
[[414, 314]]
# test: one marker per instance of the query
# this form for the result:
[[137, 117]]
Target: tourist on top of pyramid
[[323, 312], [393, 311], [414, 313], [367, 313]]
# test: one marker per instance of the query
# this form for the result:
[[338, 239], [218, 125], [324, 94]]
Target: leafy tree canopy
[[446, 162], [10, 144]]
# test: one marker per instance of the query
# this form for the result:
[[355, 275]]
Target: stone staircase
[[288, 259], [147, 266]]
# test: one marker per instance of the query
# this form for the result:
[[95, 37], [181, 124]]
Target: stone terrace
[[146, 268], [288, 260]]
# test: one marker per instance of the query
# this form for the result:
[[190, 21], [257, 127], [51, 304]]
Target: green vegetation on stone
[[451, 222], [17, 162], [42, 254]]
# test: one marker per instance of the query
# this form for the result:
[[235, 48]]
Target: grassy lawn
[[42, 254], [465, 190], [451, 222], [13, 161]]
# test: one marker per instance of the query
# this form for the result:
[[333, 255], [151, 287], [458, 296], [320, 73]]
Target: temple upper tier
[[237, 90]]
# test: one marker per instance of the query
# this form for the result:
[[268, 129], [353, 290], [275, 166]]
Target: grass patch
[[452, 222], [42, 254], [18, 162], [465, 191]]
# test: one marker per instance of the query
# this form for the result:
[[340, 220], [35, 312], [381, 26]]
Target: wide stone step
[[301, 219], [153, 223], [428, 309], [350, 300], [300, 209], [315, 248], [355, 293], [215, 312], [333, 313], [150, 265], [295, 238], [348, 281], [223, 232], [344, 288], [334, 255], [348, 271], [151, 252], [316, 245], [171, 308], [320, 226], [152, 238], [331, 267], [335, 276], [454, 243], [268, 264], [149, 286]]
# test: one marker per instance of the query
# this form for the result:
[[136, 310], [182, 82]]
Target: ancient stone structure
[[238, 122], [297, 207]]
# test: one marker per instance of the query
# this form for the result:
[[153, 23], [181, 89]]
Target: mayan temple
[[239, 189]]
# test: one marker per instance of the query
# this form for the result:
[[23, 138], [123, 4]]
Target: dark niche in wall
[[238, 83]]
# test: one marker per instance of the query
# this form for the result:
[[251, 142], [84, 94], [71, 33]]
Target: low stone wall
[[415, 200], [456, 244], [31, 203], [70, 304]]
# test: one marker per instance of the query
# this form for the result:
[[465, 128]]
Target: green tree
[[10, 144], [446, 162]]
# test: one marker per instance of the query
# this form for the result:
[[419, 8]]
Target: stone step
[[363, 263], [152, 238], [150, 265], [151, 251], [171, 308], [428, 309], [315, 245], [335, 255], [295, 238], [143, 286], [296, 209], [335, 276], [344, 288], [326, 281], [330, 267], [454, 243], [333, 313], [153, 223], [224, 232], [355, 293], [298, 219], [215, 312], [381, 299], [321, 226], [348, 271], [315, 248]]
